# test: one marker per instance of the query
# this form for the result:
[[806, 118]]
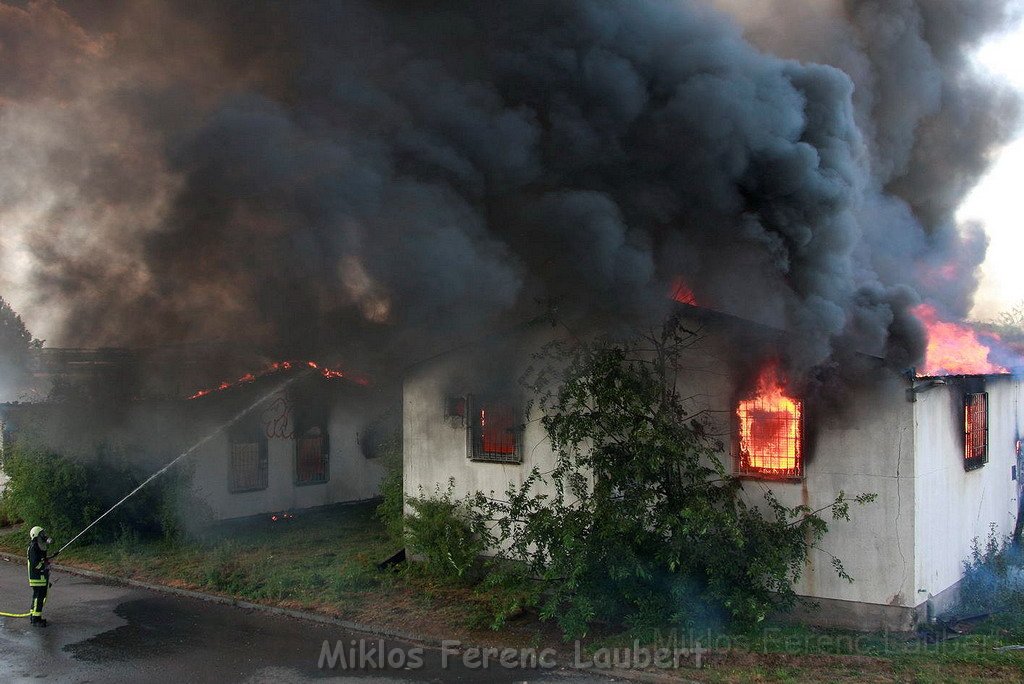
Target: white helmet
[[35, 532]]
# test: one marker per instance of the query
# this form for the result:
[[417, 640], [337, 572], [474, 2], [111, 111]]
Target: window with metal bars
[[770, 437], [247, 470], [312, 457], [495, 430], [975, 430]]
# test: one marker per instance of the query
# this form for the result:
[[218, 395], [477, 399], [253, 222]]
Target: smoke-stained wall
[[375, 179]]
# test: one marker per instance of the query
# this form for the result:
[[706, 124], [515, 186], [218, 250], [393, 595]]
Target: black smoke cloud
[[374, 179]]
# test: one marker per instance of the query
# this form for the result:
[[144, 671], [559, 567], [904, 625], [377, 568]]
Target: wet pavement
[[103, 632]]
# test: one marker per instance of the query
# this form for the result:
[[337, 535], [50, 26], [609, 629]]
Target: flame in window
[[498, 429], [771, 430], [976, 430]]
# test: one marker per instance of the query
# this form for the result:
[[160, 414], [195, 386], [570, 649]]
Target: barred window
[[975, 430], [495, 431], [312, 457], [248, 466], [770, 437]]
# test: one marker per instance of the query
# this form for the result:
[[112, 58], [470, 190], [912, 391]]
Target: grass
[[323, 560], [326, 561]]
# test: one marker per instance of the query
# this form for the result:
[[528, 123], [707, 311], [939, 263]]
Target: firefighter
[[38, 572]]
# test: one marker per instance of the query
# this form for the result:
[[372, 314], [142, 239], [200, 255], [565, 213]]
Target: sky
[[995, 201]]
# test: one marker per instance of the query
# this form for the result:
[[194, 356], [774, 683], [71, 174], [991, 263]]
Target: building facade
[[942, 456]]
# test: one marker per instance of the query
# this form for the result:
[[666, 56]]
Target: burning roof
[[371, 183], [283, 367], [958, 349]]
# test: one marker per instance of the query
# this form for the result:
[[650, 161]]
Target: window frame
[[262, 480], [741, 467], [973, 461], [474, 430], [325, 457]]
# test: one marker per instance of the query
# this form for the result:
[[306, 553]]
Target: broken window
[[312, 457], [770, 436], [247, 466], [975, 430], [494, 431]]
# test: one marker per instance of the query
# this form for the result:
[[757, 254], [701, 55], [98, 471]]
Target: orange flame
[[953, 349], [278, 366], [771, 429]]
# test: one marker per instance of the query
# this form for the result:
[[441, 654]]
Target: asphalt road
[[103, 632]]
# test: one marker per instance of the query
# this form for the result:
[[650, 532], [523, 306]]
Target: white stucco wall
[[868, 448], [353, 477], [955, 506], [435, 448]]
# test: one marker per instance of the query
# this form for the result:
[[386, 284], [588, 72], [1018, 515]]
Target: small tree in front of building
[[640, 524]]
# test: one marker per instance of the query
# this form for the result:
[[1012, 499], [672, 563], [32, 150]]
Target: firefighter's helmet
[[35, 532]]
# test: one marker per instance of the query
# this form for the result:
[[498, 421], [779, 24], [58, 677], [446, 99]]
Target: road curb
[[371, 630]]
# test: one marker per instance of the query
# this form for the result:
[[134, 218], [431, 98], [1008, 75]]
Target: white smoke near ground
[[380, 178]]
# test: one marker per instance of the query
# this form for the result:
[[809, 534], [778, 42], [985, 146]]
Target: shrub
[[640, 524], [65, 495], [7, 516], [993, 577], [506, 592], [447, 533], [391, 510], [45, 489]]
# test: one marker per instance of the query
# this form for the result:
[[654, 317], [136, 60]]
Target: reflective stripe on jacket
[[38, 574]]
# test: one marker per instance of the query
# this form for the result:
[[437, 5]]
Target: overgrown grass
[[320, 559], [326, 560]]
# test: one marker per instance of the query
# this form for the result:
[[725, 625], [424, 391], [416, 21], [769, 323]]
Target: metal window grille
[[248, 467], [312, 459], [771, 435], [975, 430], [495, 431]]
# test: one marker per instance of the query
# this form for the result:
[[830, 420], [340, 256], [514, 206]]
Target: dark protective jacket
[[38, 568]]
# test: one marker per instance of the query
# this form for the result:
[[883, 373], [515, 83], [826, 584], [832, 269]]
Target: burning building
[[940, 453], [292, 435], [380, 181], [313, 440]]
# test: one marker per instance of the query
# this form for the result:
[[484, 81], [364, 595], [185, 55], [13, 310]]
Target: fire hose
[[237, 417], [23, 615]]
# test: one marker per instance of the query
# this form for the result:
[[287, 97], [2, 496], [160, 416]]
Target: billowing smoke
[[312, 177]]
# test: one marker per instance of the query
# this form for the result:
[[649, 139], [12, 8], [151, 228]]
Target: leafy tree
[[640, 524], [15, 343]]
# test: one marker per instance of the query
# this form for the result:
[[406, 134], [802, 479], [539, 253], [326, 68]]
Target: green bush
[[391, 511], [45, 489], [448, 534], [7, 517], [506, 592], [65, 496], [640, 525], [993, 577]]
